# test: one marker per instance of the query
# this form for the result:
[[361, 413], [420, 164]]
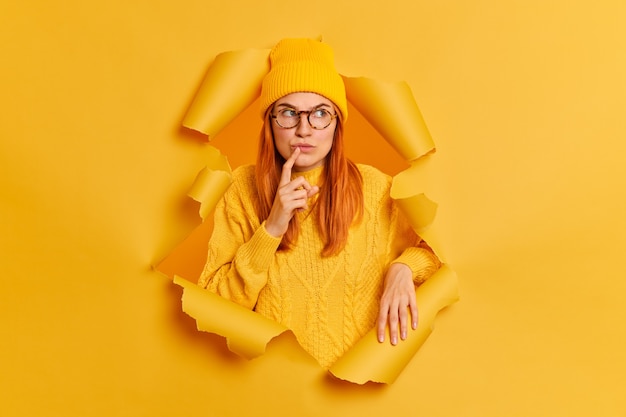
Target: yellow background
[[525, 101]]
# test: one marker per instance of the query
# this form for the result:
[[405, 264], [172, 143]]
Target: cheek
[[281, 142], [326, 142]]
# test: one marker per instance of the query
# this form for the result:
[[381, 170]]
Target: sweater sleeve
[[240, 251], [422, 261]]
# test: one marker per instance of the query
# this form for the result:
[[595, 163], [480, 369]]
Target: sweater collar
[[312, 176]]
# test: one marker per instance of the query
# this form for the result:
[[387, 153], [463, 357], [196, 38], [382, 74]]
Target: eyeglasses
[[289, 118]]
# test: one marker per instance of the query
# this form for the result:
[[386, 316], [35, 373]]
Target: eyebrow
[[291, 106]]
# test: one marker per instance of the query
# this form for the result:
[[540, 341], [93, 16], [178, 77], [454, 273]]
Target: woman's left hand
[[398, 295]]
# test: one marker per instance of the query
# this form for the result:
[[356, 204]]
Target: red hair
[[340, 200]]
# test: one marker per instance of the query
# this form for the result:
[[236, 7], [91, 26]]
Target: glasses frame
[[308, 118]]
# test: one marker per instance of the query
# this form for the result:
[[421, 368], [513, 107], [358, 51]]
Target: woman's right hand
[[291, 196]]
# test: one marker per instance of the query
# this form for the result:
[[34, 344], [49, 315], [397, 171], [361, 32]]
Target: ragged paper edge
[[207, 189], [372, 361], [247, 333], [232, 83], [391, 109], [211, 182]]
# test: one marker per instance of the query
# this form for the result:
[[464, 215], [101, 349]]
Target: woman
[[306, 237]]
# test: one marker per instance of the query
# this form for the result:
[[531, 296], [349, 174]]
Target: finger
[[314, 190], [300, 183], [413, 308], [294, 200], [382, 323], [403, 321], [393, 325], [285, 176], [301, 202]]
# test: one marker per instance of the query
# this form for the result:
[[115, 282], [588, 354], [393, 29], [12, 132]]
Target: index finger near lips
[[287, 166]]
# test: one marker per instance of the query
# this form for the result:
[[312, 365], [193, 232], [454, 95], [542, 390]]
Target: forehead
[[304, 100]]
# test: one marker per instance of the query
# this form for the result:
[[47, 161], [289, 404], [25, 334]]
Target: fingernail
[[394, 340], [381, 339]]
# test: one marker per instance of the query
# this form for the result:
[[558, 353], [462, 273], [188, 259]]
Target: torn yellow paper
[[393, 112], [247, 333], [432, 237], [211, 182], [416, 177], [232, 83], [187, 259], [419, 209], [407, 191], [370, 360]]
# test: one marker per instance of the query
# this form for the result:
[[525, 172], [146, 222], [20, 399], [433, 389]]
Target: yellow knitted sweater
[[328, 302]]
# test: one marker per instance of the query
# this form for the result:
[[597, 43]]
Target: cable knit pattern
[[329, 303]]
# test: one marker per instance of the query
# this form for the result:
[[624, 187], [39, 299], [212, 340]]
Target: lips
[[304, 147]]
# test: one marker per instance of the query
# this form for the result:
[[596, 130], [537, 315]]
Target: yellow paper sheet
[[232, 83], [526, 106], [211, 182], [407, 191], [393, 112], [247, 333], [370, 360]]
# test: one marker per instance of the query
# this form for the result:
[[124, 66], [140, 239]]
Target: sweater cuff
[[260, 249], [422, 262]]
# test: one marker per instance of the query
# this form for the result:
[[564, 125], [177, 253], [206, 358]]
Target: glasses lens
[[320, 118], [288, 118]]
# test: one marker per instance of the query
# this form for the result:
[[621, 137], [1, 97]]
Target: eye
[[320, 113], [288, 113]]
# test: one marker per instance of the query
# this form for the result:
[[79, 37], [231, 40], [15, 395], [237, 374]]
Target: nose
[[304, 127]]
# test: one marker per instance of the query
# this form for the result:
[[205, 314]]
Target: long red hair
[[340, 200]]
